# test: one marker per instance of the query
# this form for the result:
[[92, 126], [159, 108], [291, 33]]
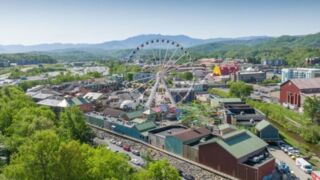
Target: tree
[[35, 159], [240, 89], [159, 170], [311, 108], [46, 156], [72, 120]]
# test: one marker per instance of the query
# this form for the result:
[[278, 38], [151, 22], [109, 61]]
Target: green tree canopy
[[240, 89], [311, 108]]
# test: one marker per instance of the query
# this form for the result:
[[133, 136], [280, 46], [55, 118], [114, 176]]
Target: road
[[115, 148], [280, 155]]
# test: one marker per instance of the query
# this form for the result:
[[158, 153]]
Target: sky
[[93, 21]]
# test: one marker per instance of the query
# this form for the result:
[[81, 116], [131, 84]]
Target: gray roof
[[310, 83]]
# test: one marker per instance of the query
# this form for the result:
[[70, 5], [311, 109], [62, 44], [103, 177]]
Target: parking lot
[[282, 156]]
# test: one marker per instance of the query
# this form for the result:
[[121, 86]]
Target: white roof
[[93, 95], [50, 102]]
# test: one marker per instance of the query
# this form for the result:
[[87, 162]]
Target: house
[[82, 103], [267, 131], [157, 137], [249, 76], [293, 92], [114, 113], [176, 141], [242, 114], [233, 153], [238, 153], [92, 96], [299, 73]]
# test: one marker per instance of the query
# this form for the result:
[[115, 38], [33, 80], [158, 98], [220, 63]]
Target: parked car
[[304, 165], [119, 143], [282, 167], [135, 152], [126, 148], [135, 161], [112, 141], [293, 152], [188, 177]]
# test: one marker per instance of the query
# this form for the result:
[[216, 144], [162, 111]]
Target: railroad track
[[199, 171]]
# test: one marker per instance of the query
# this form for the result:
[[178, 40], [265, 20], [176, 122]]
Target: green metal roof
[[262, 124], [77, 101], [239, 143], [147, 125], [134, 114]]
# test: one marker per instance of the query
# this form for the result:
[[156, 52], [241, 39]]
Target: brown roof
[[113, 112], [311, 83], [191, 134]]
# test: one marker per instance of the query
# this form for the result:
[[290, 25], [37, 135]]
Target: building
[[294, 91], [176, 141], [299, 73], [249, 76], [242, 114], [267, 131], [142, 77], [312, 60], [273, 62], [137, 128], [238, 153], [157, 137], [229, 68]]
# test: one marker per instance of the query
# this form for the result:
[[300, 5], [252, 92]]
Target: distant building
[[229, 68], [249, 76], [312, 60], [273, 62], [142, 77], [267, 131], [299, 73], [294, 91]]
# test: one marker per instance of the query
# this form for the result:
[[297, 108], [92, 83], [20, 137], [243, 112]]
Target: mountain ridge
[[128, 43]]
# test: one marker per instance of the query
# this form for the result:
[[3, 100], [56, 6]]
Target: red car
[[126, 148]]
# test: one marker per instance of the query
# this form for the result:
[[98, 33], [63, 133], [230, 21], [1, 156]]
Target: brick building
[[294, 91]]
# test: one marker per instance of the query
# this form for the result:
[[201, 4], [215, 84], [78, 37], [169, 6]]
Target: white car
[[112, 141], [135, 161]]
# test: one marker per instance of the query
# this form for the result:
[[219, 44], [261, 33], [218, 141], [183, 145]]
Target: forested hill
[[293, 49], [27, 58]]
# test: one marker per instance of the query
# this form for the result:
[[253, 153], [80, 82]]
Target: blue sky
[[92, 21]]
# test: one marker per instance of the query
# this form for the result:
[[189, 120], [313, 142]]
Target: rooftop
[[262, 124], [167, 130], [191, 134], [310, 83], [239, 143]]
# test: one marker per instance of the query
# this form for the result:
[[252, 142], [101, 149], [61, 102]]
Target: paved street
[[280, 155], [115, 148]]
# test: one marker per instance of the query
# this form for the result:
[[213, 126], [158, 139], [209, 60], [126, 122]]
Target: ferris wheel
[[165, 75]]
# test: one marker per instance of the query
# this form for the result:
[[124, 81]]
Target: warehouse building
[[238, 153]]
